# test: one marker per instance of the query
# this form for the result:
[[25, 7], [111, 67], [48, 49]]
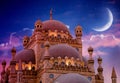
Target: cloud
[[25, 29], [15, 39], [68, 26], [98, 42], [101, 40]]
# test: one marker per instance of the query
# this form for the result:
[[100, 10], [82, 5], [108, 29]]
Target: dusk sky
[[17, 18]]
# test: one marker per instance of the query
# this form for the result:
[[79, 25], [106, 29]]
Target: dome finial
[[51, 14]]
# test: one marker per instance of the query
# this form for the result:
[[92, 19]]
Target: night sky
[[17, 18]]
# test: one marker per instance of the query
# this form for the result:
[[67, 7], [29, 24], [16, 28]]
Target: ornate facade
[[52, 54]]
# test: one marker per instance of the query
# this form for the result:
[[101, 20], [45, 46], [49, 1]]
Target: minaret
[[90, 61], [12, 67], [26, 39], [13, 52], [46, 55], [3, 73], [3, 65], [78, 34], [100, 69], [46, 63], [51, 14], [114, 76], [37, 36], [19, 73]]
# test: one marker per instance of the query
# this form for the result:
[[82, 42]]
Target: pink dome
[[54, 25], [26, 55], [63, 50]]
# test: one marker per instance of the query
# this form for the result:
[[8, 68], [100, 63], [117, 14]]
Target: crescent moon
[[108, 25]]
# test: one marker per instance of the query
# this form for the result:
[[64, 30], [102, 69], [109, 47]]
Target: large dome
[[71, 78], [63, 50], [26, 55], [54, 25]]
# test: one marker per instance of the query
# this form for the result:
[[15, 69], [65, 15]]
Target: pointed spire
[[113, 73], [51, 14]]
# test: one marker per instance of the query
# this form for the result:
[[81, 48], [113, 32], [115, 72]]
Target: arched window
[[42, 45], [58, 36], [33, 68], [62, 64], [56, 63], [37, 26], [40, 81], [77, 49]]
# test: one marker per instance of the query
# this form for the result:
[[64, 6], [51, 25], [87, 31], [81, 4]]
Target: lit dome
[[54, 25], [26, 55], [71, 78], [63, 50]]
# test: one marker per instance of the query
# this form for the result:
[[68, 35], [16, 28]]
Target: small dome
[[3, 62], [13, 50], [90, 49], [78, 27], [38, 22], [26, 55], [63, 50], [54, 25], [26, 37], [71, 78]]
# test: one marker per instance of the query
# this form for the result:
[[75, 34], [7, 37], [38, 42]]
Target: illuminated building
[[52, 55]]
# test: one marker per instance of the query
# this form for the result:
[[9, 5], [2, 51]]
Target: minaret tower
[[114, 76], [38, 36], [12, 77], [19, 73], [78, 34], [3, 73], [46, 55], [90, 61], [46, 62], [100, 70]]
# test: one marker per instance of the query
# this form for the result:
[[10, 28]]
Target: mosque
[[52, 55]]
